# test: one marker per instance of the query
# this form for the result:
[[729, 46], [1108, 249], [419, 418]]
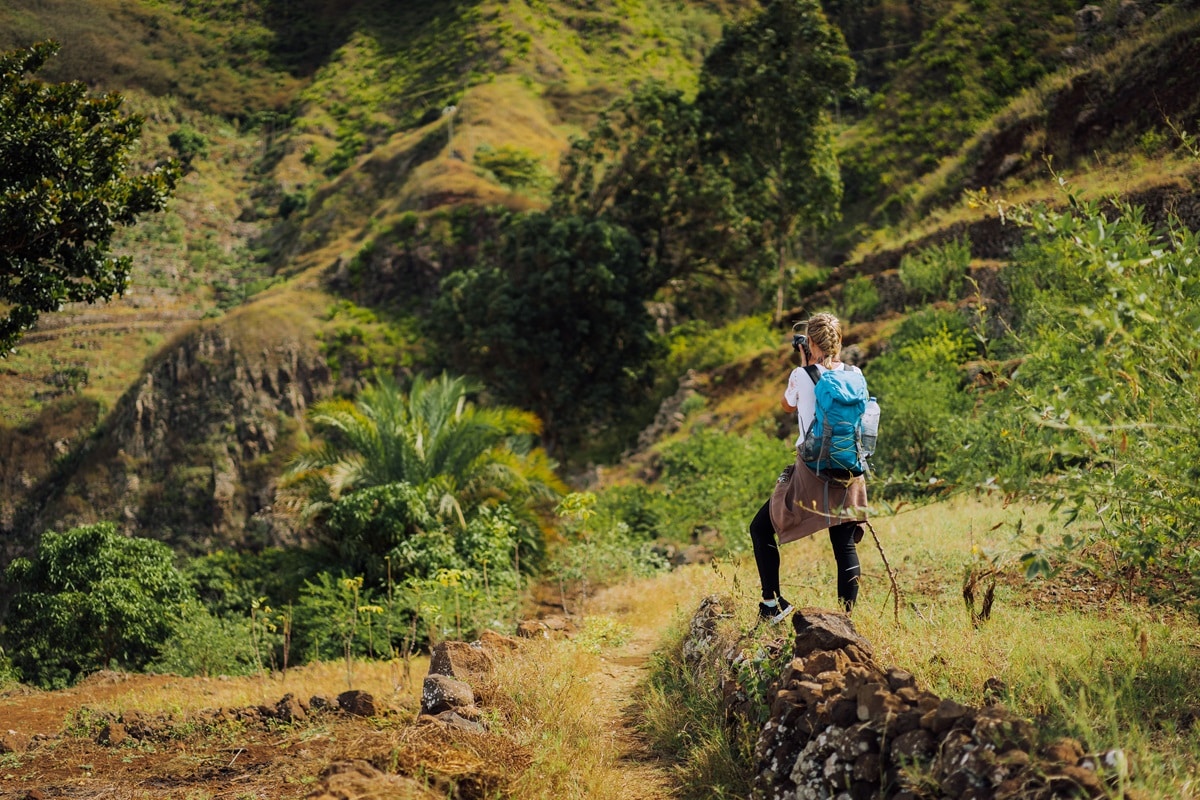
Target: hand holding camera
[[800, 344]]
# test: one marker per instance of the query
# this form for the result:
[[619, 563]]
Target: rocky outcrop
[[192, 451], [841, 726]]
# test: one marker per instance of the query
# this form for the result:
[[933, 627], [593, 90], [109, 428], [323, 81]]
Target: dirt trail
[[646, 775], [281, 762]]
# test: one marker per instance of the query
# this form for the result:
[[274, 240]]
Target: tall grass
[[1073, 657]]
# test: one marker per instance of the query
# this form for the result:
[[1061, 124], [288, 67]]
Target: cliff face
[[192, 452]]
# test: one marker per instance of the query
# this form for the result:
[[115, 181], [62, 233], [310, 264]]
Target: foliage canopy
[[63, 192], [401, 470], [557, 322], [765, 93], [90, 599]]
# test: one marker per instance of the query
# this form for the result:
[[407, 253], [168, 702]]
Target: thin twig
[[891, 573]]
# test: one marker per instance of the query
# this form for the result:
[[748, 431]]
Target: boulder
[[532, 629], [443, 693], [702, 630], [825, 630], [497, 642], [113, 734], [13, 742], [290, 709], [466, 662], [453, 719], [319, 702], [358, 703]]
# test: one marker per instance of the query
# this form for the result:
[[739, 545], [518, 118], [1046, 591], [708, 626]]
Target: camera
[[800, 342]]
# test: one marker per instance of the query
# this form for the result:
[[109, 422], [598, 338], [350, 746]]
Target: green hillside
[[344, 159], [321, 140]]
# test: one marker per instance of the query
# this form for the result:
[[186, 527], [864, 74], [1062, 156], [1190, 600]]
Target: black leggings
[[766, 556]]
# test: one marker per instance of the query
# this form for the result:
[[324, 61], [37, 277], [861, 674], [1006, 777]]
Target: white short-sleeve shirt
[[800, 393]]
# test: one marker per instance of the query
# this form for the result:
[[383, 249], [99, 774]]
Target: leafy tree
[[90, 599], [400, 470], [558, 323], [765, 91], [643, 167], [63, 192]]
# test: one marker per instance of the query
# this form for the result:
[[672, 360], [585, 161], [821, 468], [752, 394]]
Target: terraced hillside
[[349, 155]]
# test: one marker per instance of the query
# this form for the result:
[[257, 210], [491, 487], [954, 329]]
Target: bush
[[189, 143], [1101, 415], [860, 299], [936, 272], [513, 167], [697, 345], [596, 553], [91, 599], [919, 388], [206, 645], [718, 480]]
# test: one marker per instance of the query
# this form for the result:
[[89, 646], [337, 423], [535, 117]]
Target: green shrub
[[918, 385], [718, 480], [860, 298], [206, 645], [698, 345], [636, 506], [91, 599], [514, 167], [935, 273], [596, 553], [228, 583], [326, 619], [1100, 414], [189, 143]]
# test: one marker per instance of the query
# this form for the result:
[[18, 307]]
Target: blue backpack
[[835, 438]]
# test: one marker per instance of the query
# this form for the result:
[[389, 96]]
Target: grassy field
[[1073, 654]]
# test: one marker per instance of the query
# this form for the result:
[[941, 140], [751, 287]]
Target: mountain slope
[[326, 129], [354, 154]]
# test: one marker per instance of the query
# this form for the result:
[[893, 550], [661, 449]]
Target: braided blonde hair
[[825, 331]]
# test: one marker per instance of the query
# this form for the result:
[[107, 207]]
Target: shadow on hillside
[[308, 32]]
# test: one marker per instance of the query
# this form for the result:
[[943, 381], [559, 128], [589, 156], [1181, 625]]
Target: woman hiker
[[804, 501]]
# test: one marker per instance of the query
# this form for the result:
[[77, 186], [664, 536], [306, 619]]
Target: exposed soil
[[64, 746], [646, 775]]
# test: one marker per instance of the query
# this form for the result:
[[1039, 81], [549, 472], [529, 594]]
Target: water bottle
[[870, 427]]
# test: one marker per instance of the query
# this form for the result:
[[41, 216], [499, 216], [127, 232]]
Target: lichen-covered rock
[[702, 630], [443, 693], [842, 728]]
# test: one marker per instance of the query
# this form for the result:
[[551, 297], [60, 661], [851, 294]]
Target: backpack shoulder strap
[[813, 373]]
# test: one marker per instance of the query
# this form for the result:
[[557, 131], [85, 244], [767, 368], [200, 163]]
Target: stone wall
[[841, 727]]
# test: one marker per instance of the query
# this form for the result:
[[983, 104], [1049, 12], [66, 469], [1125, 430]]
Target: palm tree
[[444, 453]]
